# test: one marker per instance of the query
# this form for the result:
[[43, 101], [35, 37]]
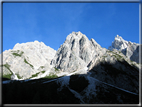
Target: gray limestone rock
[[25, 59], [131, 50], [76, 52]]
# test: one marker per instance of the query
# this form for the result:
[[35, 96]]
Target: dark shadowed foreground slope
[[96, 87]]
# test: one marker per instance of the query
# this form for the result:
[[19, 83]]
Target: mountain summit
[[26, 59], [118, 43], [130, 49], [76, 52]]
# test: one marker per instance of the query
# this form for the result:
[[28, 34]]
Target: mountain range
[[80, 71]]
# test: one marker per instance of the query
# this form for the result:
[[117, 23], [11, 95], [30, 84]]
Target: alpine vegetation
[[79, 72]]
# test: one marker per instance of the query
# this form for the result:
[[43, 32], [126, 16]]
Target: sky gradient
[[52, 22]]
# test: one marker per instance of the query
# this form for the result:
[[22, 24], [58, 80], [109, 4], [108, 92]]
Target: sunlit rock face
[[26, 58], [130, 49], [76, 52], [36, 50], [118, 43]]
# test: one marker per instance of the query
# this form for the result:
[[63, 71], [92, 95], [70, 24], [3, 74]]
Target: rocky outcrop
[[119, 43], [25, 59], [76, 52], [131, 50], [38, 52]]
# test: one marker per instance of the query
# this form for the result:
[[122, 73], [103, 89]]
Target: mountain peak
[[119, 38], [77, 33], [35, 44], [74, 36], [119, 43], [126, 47]]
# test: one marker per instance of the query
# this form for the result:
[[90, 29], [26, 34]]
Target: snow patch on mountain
[[6, 81], [63, 81], [77, 95], [91, 87], [49, 81]]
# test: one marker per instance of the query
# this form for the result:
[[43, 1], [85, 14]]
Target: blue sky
[[52, 22]]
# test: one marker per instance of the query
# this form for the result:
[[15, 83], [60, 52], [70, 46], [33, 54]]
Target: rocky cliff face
[[131, 50], [27, 59], [76, 52]]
